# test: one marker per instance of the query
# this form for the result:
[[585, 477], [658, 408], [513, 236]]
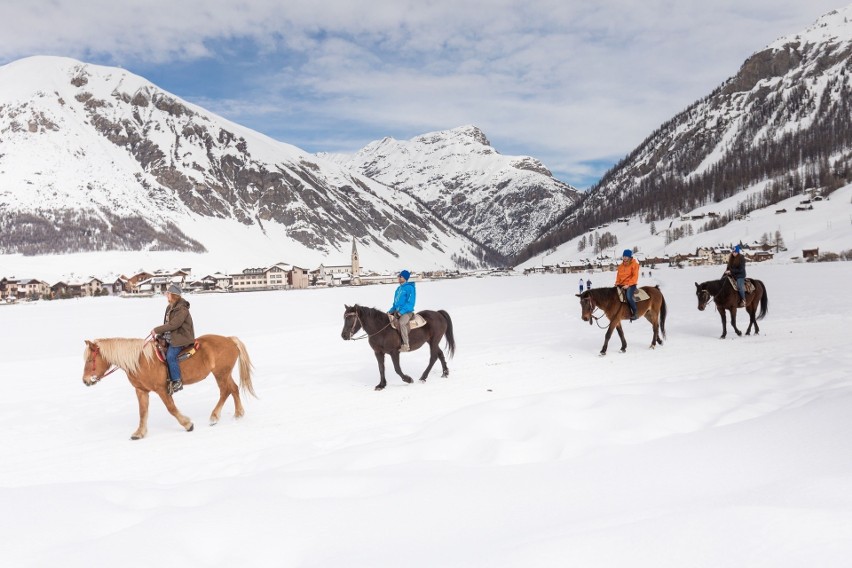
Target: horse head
[[95, 367], [351, 322], [587, 305], [703, 295]]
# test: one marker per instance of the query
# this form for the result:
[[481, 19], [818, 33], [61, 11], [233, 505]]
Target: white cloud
[[568, 81]]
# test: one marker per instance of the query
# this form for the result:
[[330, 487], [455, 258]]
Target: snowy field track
[[535, 451]]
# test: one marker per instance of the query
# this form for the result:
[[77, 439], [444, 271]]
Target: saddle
[[161, 346], [639, 295], [416, 321], [749, 285]]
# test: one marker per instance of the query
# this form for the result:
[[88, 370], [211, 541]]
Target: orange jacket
[[628, 274]]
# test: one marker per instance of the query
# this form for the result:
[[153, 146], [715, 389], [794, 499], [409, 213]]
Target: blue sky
[[576, 84]]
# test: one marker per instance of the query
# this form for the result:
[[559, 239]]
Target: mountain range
[[95, 158], [776, 132]]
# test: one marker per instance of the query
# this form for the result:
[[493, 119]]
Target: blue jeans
[[628, 293], [741, 287], [172, 360]]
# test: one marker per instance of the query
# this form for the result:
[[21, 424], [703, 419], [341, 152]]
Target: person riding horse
[[627, 278], [403, 306], [736, 269], [179, 332]]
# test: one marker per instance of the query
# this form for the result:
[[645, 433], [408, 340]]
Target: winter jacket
[[628, 273], [178, 322], [403, 298], [736, 264]]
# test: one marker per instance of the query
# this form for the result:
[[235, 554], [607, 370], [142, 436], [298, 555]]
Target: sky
[[575, 84], [534, 452]]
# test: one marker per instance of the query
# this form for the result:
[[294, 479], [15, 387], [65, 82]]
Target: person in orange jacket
[[627, 277]]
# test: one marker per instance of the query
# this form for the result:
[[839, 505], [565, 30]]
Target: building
[[338, 274], [279, 276]]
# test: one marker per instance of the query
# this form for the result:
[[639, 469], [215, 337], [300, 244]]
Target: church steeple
[[356, 263]]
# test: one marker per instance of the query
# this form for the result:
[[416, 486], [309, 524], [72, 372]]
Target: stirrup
[[174, 386]]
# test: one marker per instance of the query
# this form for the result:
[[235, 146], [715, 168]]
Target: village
[[279, 276], [285, 276], [703, 256]]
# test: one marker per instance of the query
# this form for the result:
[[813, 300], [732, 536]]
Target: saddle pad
[[639, 296], [749, 285], [416, 321], [187, 352]]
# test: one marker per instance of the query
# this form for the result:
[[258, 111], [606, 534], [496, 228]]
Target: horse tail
[[451, 341], [245, 367], [663, 311], [764, 301]]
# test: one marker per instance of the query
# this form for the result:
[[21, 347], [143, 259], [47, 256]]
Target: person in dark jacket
[[403, 306], [179, 333], [737, 269]]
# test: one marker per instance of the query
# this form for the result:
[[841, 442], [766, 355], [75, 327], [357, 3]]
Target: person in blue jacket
[[403, 306]]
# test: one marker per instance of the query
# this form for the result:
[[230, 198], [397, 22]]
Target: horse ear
[[578, 295], [696, 285]]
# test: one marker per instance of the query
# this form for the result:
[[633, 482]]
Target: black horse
[[727, 297], [385, 339]]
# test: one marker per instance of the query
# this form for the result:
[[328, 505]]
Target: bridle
[[92, 362], [704, 291], [356, 321], [593, 307]]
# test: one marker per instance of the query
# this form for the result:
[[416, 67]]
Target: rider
[[736, 269], [179, 332], [403, 306], [627, 277]]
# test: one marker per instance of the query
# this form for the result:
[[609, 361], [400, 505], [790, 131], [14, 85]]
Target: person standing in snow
[[589, 284], [581, 285], [403, 306], [627, 278]]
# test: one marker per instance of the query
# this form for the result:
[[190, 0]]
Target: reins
[[358, 320], [593, 307]]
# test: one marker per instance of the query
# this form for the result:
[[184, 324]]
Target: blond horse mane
[[124, 353]]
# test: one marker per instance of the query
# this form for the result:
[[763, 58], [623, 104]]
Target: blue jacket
[[403, 298]]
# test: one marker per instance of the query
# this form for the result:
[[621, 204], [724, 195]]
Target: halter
[[593, 307], [357, 320], [95, 350], [709, 295]]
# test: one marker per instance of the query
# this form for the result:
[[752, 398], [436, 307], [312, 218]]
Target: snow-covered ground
[[534, 452]]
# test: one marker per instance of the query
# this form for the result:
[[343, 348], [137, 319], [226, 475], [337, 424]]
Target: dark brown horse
[[384, 339], [215, 354], [727, 298], [607, 300]]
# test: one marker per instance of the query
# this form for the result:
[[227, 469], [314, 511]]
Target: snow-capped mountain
[[778, 128], [95, 158], [500, 201]]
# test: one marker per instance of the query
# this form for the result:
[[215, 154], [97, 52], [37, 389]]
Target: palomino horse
[[136, 357], [654, 310], [727, 298], [386, 340]]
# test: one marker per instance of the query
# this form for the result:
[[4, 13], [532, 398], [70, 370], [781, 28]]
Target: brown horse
[[727, 297], [136, 357], [386, 340], [654, 310]]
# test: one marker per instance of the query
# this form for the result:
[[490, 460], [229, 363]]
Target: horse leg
[[612, 325], [395, 359], [380, 357], [142, 396], [620, 331], [227, 387], [446, 370], [655, 326], [734, 321], [173, 410], [724, 323], [433, 356], [752, 320]]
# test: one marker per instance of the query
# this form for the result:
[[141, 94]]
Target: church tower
[[356, 263]]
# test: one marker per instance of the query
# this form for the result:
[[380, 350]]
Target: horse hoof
[[447, 374], [602, 354], [422, 379], [135, 437], [191, 428], [214, 422], [379, 387], [408, 380]]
